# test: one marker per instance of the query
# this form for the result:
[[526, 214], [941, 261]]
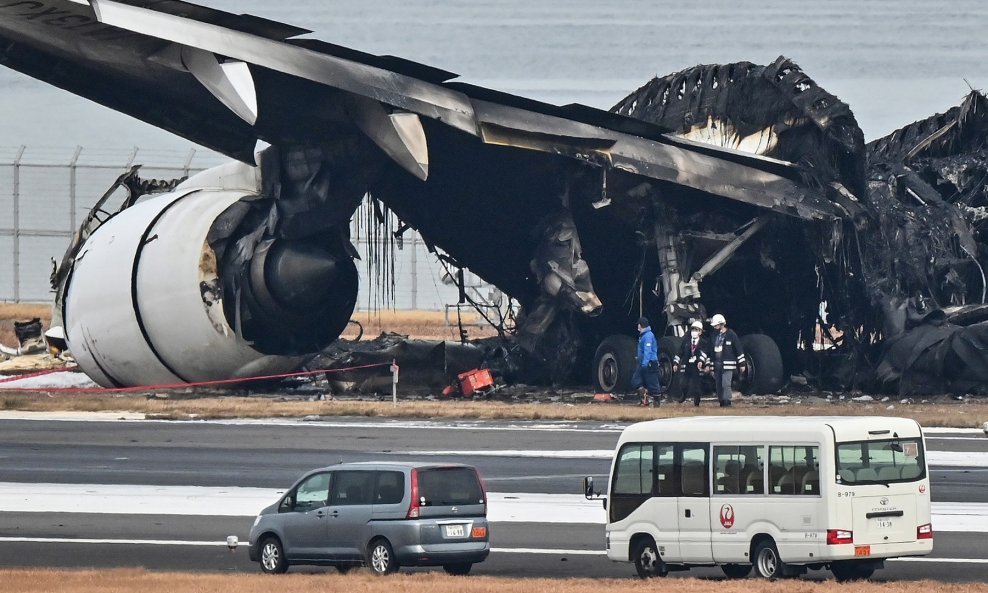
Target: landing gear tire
[[766, 561], [668, 348], [614, 364], [851, 571], [648, 563], [764, 371], [736, 571]]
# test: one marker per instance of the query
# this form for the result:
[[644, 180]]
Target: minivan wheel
[[648, 563], [382, 557], [272, 556], [767, 563], [458, 569]]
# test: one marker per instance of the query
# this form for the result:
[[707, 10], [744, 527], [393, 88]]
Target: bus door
[[737, 500], [643, 492], [692, 473]]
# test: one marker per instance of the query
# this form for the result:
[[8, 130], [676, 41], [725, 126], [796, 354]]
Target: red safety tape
[[166, 386], [29, 375]]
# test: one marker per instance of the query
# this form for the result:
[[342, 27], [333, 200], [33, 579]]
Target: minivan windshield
[[881, 462], [450, 486]]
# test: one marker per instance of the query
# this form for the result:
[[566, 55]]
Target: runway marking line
[[543, 551]]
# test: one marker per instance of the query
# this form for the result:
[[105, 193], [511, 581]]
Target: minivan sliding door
[[350, 504]]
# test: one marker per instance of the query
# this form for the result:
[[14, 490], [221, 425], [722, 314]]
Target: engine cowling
[[147, 302]]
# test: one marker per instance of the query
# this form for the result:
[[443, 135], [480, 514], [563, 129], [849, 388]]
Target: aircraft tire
[[765, 372], [614, 363]]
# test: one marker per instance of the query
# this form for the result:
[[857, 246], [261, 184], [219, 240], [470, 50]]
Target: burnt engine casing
[[144, 303]]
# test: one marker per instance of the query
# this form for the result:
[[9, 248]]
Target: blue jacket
[[648, 348]]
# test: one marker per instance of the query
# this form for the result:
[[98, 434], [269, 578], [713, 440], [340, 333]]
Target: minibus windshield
[[881, 462]]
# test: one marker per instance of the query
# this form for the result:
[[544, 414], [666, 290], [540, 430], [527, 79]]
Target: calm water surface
[[892, 61]]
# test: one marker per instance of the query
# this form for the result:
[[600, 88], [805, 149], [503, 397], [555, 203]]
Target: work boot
[[725, 404]]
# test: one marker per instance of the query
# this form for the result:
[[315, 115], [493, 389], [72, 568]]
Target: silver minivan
[[382, 515]]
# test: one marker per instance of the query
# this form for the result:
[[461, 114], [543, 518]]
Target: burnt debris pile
[[895, 300]]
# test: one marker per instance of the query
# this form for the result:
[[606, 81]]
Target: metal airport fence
[[46, 192]]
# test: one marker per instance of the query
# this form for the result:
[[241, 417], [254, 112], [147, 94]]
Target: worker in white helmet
[[690, 361], [727, 355]]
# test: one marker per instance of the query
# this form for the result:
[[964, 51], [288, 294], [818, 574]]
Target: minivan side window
[[739, 469], [353, 487], [390, 487], [794, 469], [312, 493]]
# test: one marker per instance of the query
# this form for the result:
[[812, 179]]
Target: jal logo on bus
[[922, 488], [727, 516]]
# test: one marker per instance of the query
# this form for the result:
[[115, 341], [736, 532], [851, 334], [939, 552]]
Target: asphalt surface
[[273, 455]]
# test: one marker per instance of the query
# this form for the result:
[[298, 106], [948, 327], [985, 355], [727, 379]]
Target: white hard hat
[[718, 319], [696, 324]]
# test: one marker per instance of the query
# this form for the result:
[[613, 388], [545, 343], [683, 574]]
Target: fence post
[[73, 166], [415, 270], [188, 160], [394, 381], [17, 224]]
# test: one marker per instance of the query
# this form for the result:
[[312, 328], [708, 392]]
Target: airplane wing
[[226, 81]]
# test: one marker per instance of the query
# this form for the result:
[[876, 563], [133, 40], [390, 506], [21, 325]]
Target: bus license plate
[[883, 524], [454, 530], [862, 550]]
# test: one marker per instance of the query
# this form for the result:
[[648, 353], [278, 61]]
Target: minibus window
[[693, 471], [635, 470], [794, 469], [880, 462], [665, 478], [634, 478], [738, 470]]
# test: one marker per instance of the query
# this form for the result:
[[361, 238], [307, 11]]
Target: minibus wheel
[[736, 571], [851, 571], [766, 560], [648, 563]]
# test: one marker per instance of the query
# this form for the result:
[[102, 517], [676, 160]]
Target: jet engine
[[169, 290]]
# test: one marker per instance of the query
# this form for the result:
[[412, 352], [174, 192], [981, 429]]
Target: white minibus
[[779, 495]]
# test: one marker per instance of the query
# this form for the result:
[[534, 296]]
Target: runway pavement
[[165, 494]]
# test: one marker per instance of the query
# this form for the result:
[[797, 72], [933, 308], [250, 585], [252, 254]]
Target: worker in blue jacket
[[646, 376]]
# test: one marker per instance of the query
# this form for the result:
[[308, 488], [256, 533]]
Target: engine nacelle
[[144, 303]]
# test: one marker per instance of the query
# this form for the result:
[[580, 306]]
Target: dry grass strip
[[130, 580], [969, 414]]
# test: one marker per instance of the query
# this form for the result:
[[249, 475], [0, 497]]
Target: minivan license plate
[[883, 523], [454, 530]]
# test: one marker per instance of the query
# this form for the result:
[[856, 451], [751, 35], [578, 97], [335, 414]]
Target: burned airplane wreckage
[[741, 189]]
